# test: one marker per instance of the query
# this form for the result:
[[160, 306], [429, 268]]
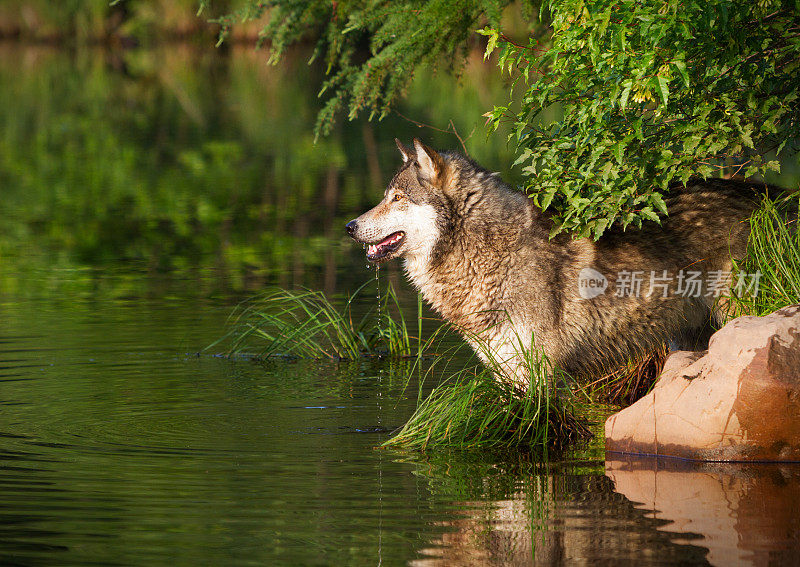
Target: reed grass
[[481, 406], [307, 324], [774, 253]]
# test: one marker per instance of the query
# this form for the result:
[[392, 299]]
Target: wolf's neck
[[468, 295], [417, 271], [469, 283]]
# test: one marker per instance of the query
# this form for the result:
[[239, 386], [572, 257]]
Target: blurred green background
[[127, 139]]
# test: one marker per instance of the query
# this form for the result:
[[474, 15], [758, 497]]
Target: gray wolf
[[482, 256]]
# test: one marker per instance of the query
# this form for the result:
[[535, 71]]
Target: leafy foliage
[[371, 48], [650, 93]]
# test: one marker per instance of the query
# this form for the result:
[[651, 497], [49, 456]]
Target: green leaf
[[548, 198], [619, 151], [648, 213], [658, 201], [663, 86], [600, 227], [681, 67], [746, 139], [623, 99], [493, 36]]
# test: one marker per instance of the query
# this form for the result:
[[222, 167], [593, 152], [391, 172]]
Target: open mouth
[[381, 250]]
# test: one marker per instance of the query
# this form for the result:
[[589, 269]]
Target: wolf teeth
[[373, 249]]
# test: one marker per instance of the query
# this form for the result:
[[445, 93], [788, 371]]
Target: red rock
[[739, 401]]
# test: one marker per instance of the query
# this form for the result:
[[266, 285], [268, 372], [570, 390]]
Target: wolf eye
[[397, 197]]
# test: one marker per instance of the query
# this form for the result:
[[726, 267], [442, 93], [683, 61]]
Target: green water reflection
[[197, 161]]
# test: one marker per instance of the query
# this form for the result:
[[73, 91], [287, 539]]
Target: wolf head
[[406, 223]]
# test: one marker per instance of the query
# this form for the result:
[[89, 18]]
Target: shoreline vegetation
[[189, 161], [472, 408]]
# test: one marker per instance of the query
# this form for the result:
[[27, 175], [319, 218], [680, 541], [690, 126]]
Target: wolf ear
[[406, 153], [430, 162]]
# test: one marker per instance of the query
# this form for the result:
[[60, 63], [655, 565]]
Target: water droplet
[[378, 293]]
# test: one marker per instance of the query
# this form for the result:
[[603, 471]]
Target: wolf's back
[[706, 229]]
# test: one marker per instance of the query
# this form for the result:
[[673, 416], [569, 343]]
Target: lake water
[[143, 196]]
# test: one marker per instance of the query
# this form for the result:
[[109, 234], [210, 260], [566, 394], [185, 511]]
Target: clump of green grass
[[307, 324], [774, 253], [482, 407]]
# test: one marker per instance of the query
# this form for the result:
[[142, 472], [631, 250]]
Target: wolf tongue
[[389, 239], [379, 247]]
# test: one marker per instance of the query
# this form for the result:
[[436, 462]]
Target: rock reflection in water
[[747, 514], [560, 517]]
